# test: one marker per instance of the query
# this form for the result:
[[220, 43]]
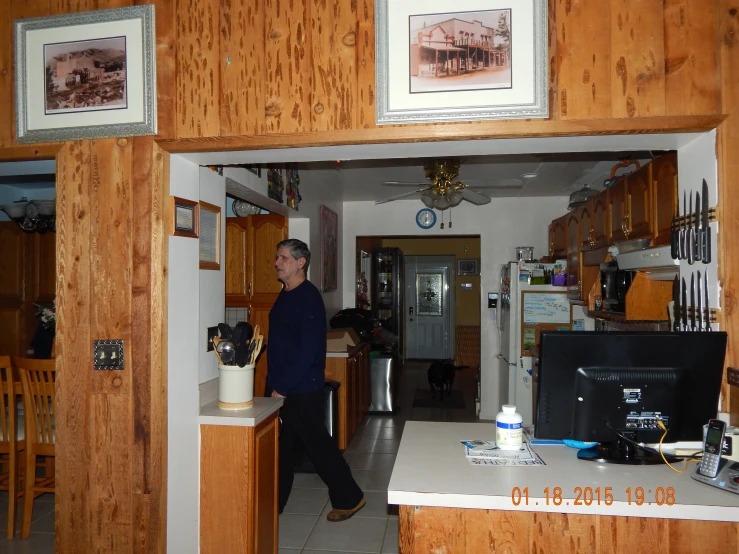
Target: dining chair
[[37, 378], [12, 440]]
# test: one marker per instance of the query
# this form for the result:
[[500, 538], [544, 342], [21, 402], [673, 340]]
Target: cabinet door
[[266, 487], [573, 231], [638, 187], [599, 220], [664, 196], [585, 227], [236, 248], [13, 340], [557, 237], [617, 210], [265, 231], [258, 314]]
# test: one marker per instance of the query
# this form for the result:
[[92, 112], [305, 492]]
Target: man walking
[[296, 358]]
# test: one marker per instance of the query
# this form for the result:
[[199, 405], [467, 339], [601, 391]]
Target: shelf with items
[[646, 300]]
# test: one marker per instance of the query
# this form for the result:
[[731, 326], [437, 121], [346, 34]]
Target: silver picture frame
[[86, 75], [407, 41]]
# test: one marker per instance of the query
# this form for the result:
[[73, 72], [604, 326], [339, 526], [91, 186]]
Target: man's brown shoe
[[343, 515]]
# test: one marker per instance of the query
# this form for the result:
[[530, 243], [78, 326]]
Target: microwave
[[614, 284]]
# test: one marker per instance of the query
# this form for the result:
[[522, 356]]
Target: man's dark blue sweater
[[296, 345]]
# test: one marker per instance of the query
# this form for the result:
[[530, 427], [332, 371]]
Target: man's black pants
[[302, 418]]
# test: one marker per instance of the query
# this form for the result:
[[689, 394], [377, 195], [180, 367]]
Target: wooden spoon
[[216, 340]]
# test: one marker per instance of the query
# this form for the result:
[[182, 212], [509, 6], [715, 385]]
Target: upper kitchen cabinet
[[250, 258], [629, 206], [664, 195], [617, 210], [585, 232], [558, 237], [599, 223]]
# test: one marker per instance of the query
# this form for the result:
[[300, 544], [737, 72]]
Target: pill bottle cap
[[509, 409]]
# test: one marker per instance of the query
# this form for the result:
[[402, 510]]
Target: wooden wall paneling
[[198, 68], [148, 346], [689, 536], [728, 168], [166, 61], [553, 532], [13, 339], [365, 51], [325, 101], [692, 58], [637, 58], [583, 60], [288, 66], [73, 521], [111, 238], [7, 81], [511, 531], [344, 31], [552, 58], [430, 522], [637, 535]]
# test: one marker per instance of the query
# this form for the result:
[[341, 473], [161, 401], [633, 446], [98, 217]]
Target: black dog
[[441, 377]]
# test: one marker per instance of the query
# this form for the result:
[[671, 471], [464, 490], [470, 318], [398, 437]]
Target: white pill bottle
[[509, 429]]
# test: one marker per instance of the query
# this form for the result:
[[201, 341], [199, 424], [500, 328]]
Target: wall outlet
[[212, 333]]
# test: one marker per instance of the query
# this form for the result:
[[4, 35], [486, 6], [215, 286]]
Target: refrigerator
[[388, 290], [515, 369]]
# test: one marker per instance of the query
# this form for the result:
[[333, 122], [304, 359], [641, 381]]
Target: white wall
[[183, 349], [502, 225], [212, 282]]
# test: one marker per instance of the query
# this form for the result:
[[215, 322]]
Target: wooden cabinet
[[585, 226], [558, 238], [353, 374], [664, 196], [27, 276], [573, 253], [600, 223], [239, 488], [630, 206], [258, 314], [617, 209], [250, 258]]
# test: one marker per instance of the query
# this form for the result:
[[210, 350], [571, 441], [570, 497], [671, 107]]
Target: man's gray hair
[[298, 249]]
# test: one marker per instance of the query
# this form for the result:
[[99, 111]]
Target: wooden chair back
[[11, 438], [6, 386], [37, 377]]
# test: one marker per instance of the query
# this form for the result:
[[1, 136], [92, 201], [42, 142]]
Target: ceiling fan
[[444, 191]]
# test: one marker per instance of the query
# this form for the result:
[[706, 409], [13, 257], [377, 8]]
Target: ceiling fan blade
[[475, 197], [404, 184], [494, 183], [397, 197]]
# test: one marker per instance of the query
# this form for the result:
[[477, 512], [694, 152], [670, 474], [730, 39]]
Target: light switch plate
[[212, 333], [107, 354]]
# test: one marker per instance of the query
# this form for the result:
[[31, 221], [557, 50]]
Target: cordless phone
[[709, 465]]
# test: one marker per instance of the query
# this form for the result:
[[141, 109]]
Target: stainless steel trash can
[[301, 462], [383, 383]]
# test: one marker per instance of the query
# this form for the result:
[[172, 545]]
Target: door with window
[[429, 312]]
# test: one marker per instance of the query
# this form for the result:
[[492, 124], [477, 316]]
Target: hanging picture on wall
[[86, 75], [275, 185], [329, 249], [292, 179]]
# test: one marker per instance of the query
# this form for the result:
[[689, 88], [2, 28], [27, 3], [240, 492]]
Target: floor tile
[[288, 550], [376, 506], [372, 480], [295, 529], [353, 535], [383, 432], [306, 501], [390, 542], [362, 460], [308, 481], [36, 543], [378, 446]]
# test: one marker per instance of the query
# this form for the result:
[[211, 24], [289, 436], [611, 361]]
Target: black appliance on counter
[[614, 284]]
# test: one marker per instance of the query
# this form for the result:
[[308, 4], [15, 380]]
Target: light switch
[[107, 354]]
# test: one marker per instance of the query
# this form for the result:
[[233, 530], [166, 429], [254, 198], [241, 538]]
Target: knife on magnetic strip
[[676, 304], [705, 223], [692, 301], [684, 306], [700, 301], [708, 306]]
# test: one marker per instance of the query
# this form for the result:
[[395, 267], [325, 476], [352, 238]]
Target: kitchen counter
[[211, 414], [348, 354], [431, 470], [447, 505]]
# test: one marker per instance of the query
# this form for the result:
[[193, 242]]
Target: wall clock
[[426, 218]]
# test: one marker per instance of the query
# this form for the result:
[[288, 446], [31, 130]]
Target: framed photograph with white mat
[[86, 75], [469, 60]]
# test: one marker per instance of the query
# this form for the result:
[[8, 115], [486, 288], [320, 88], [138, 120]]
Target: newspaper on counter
[[481, 452]]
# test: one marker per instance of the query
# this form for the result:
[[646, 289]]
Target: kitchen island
[[238, 478], [448, 505]]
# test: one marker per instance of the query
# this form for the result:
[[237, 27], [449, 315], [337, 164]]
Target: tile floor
[[303, 525]]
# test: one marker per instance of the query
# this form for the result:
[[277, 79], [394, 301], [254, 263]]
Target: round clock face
[[426, 218]]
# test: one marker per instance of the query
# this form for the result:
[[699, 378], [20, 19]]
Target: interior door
[[429, 320]]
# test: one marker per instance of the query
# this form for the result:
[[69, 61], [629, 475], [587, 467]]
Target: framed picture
[[210, 236], [184, 216], [464, 61], [329, 249], [86, 75]]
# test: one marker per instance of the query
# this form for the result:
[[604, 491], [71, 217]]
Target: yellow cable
[[662, 426]]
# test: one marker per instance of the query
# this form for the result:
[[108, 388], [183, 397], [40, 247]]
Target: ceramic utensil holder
[[235, 387]]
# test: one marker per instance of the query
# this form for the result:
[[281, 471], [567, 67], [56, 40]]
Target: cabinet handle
[[626, 231], [248, 313], [249, 291], [590, 237]]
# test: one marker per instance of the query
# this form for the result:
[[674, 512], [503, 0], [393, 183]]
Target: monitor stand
[[623, 452]]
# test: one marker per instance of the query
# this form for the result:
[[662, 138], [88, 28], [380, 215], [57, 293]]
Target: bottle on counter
[[509, 429]]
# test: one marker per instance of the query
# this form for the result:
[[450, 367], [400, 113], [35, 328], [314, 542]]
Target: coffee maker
[[614, 284]]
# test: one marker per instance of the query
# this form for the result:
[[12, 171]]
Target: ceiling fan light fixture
[[442, 202], [455, 198], [427, 199]]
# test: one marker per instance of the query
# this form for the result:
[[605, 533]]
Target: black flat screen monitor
[[613, 388]]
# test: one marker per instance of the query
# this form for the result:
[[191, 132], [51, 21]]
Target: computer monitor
[[612, 387]]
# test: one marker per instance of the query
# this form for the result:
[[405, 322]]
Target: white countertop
[[211, 414], [431, 470]]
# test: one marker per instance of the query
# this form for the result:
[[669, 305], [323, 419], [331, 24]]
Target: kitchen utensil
[[692, 301], [689, 238], [257, 350], [676, 303], [242, 354], [225, 330], [675, 235], [684, 306], [700, 302], [682, 236], [708, 306], [698, 255], [237, 335], [706, 257], [227, 351], [256, 332], [247, 331], [216, 341]]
